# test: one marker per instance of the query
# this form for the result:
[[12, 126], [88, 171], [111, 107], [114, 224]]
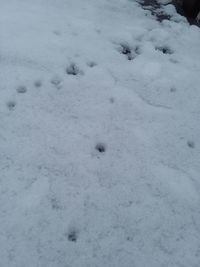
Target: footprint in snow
[[21, 89], [73, 69], [165, 50], [56, 81], [100, 147], [128, 51], [72, 235], [91, 64], [11, 105], [112, 100], [173, 90], [191, 144], [38, 83]]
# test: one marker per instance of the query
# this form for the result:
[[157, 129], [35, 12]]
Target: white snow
[[132, 201]]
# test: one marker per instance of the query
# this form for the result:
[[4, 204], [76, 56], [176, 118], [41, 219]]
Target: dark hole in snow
[[129, 52], [165, 50], [11, 105], [91, 64], [112, 100], [184, 11], [191, 144], [73, 236], [130, 57], [72, 69], [172, 90], [22, 89], [101, 148], [126, 50], [38, 83]]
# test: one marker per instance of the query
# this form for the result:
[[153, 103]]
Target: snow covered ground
[[99, 135]]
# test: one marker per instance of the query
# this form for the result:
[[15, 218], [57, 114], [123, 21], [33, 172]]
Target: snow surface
[[99, 135]]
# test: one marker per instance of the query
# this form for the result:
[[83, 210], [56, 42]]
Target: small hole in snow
[[165, 50], [91, 64], [173, 90], [112, 100], [129, 52], [38, 83], [191, 144], [72, 69], [22, 89], [101, 148], [72, 236], [11, 105], [125, 49]]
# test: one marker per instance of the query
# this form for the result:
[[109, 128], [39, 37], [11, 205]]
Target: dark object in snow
[[191, 7], [126, 50], [129, 52], [72, 69], [100, 147], [165, 50], [188, 8], [72, 236]]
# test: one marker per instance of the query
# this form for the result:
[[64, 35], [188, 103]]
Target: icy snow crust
[[99, 135]]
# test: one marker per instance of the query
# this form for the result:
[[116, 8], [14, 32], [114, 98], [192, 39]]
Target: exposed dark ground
[[162, 16], [154, 9]]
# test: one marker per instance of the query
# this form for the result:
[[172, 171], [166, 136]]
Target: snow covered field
[[99, 135]]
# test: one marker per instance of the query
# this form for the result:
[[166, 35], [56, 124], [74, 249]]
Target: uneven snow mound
[[99, 135]]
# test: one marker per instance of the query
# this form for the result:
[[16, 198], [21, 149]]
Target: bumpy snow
[[99, 135]]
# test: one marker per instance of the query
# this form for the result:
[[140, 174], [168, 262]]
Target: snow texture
[[99, 135]]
